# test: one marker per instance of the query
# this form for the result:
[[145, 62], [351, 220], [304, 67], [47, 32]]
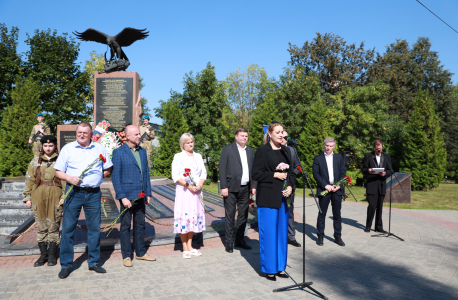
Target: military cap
[[49, 139], [145, 117], [40, 115]]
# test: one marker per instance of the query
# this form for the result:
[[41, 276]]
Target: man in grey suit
[[294, 163], [235, 166]]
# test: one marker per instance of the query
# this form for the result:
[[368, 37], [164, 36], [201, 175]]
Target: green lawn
[[444, 197]]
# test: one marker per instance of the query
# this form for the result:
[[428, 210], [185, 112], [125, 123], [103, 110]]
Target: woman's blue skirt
[[273, 237]]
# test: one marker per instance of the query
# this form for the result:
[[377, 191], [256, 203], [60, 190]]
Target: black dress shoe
[[319, 241], [381, 231], [367, 230], [64, 273], [282, 275], [97, 269], [294, 243], [229, 247], [339, 242], [242, 244], [271, 278]]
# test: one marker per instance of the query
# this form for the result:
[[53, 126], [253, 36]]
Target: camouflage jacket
[[48, 173]]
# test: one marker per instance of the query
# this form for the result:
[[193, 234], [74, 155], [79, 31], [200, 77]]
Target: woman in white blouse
[[189, 212]]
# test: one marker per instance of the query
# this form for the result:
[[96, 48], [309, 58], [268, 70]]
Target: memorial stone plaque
[[65, 134], [114, 101]]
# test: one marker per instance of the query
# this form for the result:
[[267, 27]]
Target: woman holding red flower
[[189, 212]]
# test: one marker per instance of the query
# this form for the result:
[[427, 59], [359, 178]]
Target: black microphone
[[291, 141]]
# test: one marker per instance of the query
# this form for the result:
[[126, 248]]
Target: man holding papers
[[375, 168]]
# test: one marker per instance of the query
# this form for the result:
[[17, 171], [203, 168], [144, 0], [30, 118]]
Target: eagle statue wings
[[125, 38]]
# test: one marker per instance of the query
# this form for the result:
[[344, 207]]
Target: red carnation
[[187, 170], [349, 179], [102, 158], [142, 195], [299, 168]]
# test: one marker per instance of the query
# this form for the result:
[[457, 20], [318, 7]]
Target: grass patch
[[444, 197]]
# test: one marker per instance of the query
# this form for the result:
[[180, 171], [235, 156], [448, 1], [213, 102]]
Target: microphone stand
[[303, 284], [391, 197]]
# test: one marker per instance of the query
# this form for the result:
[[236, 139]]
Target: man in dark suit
[[130, 177], [294, 163], [235, 166], [328, 168], [376, 184]]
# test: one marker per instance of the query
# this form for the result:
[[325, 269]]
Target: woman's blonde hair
[[271, 129], [185, 137]]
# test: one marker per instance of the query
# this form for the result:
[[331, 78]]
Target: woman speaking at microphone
[[274, 187]]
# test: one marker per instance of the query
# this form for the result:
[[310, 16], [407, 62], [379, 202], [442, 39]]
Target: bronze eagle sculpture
[[125, 38]]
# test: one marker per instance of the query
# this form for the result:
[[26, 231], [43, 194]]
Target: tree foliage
[[10, 64], [203, 102], [336, 63], [317, 127], [424, 152], [15, 128], [361, 118], [64, 88], [173, 126], [244, 91]]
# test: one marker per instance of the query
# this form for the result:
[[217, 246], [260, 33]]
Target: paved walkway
[[424, 266]]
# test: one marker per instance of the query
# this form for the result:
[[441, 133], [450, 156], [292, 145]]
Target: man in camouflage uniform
[[146, 141], [40, 127]]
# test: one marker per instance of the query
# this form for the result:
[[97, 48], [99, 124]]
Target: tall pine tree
[[317, 128], [16, 125], [173, 126], [424, 151], [203, 102]]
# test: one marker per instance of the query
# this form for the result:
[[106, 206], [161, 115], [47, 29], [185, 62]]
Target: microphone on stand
[[291, 141]]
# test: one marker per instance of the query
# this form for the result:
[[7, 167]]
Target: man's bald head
[[132, 135]]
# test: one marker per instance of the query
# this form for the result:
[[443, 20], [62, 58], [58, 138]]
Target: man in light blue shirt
[[72, 160]]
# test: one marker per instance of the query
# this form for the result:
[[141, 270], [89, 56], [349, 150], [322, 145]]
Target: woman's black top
[[269, 189], [282, 158]]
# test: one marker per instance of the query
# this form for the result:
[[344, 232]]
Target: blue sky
[[186, 35]]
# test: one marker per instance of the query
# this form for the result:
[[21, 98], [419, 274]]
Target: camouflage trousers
[[48, 230], [149, 151], [36, 148]]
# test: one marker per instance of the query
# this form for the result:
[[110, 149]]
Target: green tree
[[336, 63], [10, 64], [64, 88], [361, 119], [95, 63], [244, 91], [202, 103], [318, 126], [18, 119], [173, 126], [265, 112], [424, 152]]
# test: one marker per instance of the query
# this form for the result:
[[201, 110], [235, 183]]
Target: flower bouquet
[[96, 161], [283, 168], [100, 129], [112, 224], [108, 140], [344, 181]]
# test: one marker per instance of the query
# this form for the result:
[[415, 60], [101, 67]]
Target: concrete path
[[424, 266]]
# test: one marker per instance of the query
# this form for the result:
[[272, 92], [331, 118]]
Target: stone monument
[[399, 196], [117, 99], [65, 134]]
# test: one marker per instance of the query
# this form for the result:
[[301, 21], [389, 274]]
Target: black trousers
[[336, 202], [233, 202], [291, 229], [137, 213], [375, 208]]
